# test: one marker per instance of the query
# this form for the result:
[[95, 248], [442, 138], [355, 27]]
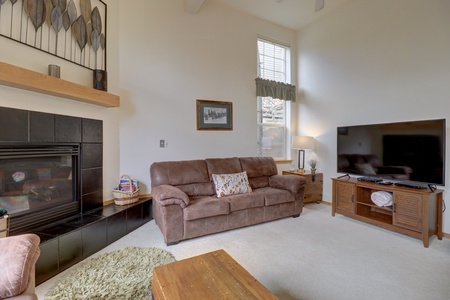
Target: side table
[[314, 185]]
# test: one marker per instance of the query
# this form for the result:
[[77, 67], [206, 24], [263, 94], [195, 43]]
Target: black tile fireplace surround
[[29, 128], [77, 232]]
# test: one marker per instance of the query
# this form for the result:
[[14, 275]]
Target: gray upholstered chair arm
[[18, 256], [25, 297], [167, 195], [287, 182]]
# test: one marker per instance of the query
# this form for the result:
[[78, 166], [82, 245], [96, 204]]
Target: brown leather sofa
[[185, 204], [18, 256]]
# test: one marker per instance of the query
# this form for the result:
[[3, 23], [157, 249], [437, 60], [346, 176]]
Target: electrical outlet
[[162, 143]]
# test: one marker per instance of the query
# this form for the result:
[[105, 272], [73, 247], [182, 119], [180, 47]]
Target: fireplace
[[50, 167], [39, 183]]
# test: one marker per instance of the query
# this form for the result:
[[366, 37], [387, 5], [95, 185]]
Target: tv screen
[[399, 152]]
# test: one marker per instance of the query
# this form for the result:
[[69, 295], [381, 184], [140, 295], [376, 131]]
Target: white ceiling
[[292, 14]]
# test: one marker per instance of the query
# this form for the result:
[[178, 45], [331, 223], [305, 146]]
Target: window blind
[[272, 77]]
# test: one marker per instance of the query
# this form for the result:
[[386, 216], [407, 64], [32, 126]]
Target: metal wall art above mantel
[[74, 30]]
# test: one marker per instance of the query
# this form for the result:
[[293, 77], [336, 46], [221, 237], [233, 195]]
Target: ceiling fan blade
[[319, 5]]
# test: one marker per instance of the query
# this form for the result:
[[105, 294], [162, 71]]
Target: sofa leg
[[296, 216], [173, 243]]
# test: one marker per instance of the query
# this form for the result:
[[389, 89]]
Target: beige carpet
[[317, 256]]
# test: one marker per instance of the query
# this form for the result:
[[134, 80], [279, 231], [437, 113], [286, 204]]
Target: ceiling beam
[[192, 6]]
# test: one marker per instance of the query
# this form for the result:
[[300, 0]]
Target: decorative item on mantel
[[54, 71], [100, 80], [127, 192]]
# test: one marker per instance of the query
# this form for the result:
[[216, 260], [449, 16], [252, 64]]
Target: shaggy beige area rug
[[122, 274]]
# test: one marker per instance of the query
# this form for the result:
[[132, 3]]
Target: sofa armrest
[[167, 195], [25, 296], [291, 183]]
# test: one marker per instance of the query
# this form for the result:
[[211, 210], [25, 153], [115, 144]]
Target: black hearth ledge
[[67, 242]]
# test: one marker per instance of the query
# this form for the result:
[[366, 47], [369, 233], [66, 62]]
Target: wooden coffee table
[[214, 275]]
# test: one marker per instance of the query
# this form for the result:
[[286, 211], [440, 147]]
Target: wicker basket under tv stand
[[415, 212]]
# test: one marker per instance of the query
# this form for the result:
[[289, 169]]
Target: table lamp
[[302, 143]]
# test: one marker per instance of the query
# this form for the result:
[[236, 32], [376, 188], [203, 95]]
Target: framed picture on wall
[[214, 115]]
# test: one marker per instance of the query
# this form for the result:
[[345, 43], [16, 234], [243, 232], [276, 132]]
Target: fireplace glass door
[[35, 178]]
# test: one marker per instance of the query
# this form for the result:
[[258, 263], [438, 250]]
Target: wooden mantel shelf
[[24, 79]]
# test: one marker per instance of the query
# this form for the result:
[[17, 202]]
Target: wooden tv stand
[[415, 212]]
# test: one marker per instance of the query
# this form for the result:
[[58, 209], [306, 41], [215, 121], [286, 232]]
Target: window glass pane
[[273, 111], [268, 48], [279, 53], [269, 64], [271, 141], [279, 66], [279, 76]]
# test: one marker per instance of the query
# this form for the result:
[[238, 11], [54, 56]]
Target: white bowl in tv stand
[[415, 212]]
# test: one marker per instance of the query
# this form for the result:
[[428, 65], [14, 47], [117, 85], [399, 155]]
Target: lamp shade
[[303, 142]]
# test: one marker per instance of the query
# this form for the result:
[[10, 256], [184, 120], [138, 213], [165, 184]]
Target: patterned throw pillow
[[228, 184]]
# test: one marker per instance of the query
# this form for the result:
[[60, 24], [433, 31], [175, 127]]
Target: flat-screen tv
[[409, 152]]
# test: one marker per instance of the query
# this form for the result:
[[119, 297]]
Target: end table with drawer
[[314, 185]]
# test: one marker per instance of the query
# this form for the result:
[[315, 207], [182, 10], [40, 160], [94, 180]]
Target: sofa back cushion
[[191, 176], [373, 160], [223, 165], [259, 169], [355, 159], [353, 162], [343, 163]]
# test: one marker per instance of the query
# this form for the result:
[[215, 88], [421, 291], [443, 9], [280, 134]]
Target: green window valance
[[275, 89]]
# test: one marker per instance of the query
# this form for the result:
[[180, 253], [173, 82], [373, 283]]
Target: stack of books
[[124, 185]]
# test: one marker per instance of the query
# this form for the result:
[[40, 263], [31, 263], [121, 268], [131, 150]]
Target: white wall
[[372, 62], [14, 53], [165, 59], [168, 59]]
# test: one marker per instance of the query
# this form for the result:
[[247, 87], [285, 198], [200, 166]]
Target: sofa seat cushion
[[244, 201], [274, 196], [203, 207]]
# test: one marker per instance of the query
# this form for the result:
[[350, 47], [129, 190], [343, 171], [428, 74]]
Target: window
[[273, 114]]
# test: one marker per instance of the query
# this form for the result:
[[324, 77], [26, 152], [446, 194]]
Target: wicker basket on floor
[[126, 197]]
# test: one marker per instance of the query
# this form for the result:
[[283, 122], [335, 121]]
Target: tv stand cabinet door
[[408, 211], [343, 197]]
